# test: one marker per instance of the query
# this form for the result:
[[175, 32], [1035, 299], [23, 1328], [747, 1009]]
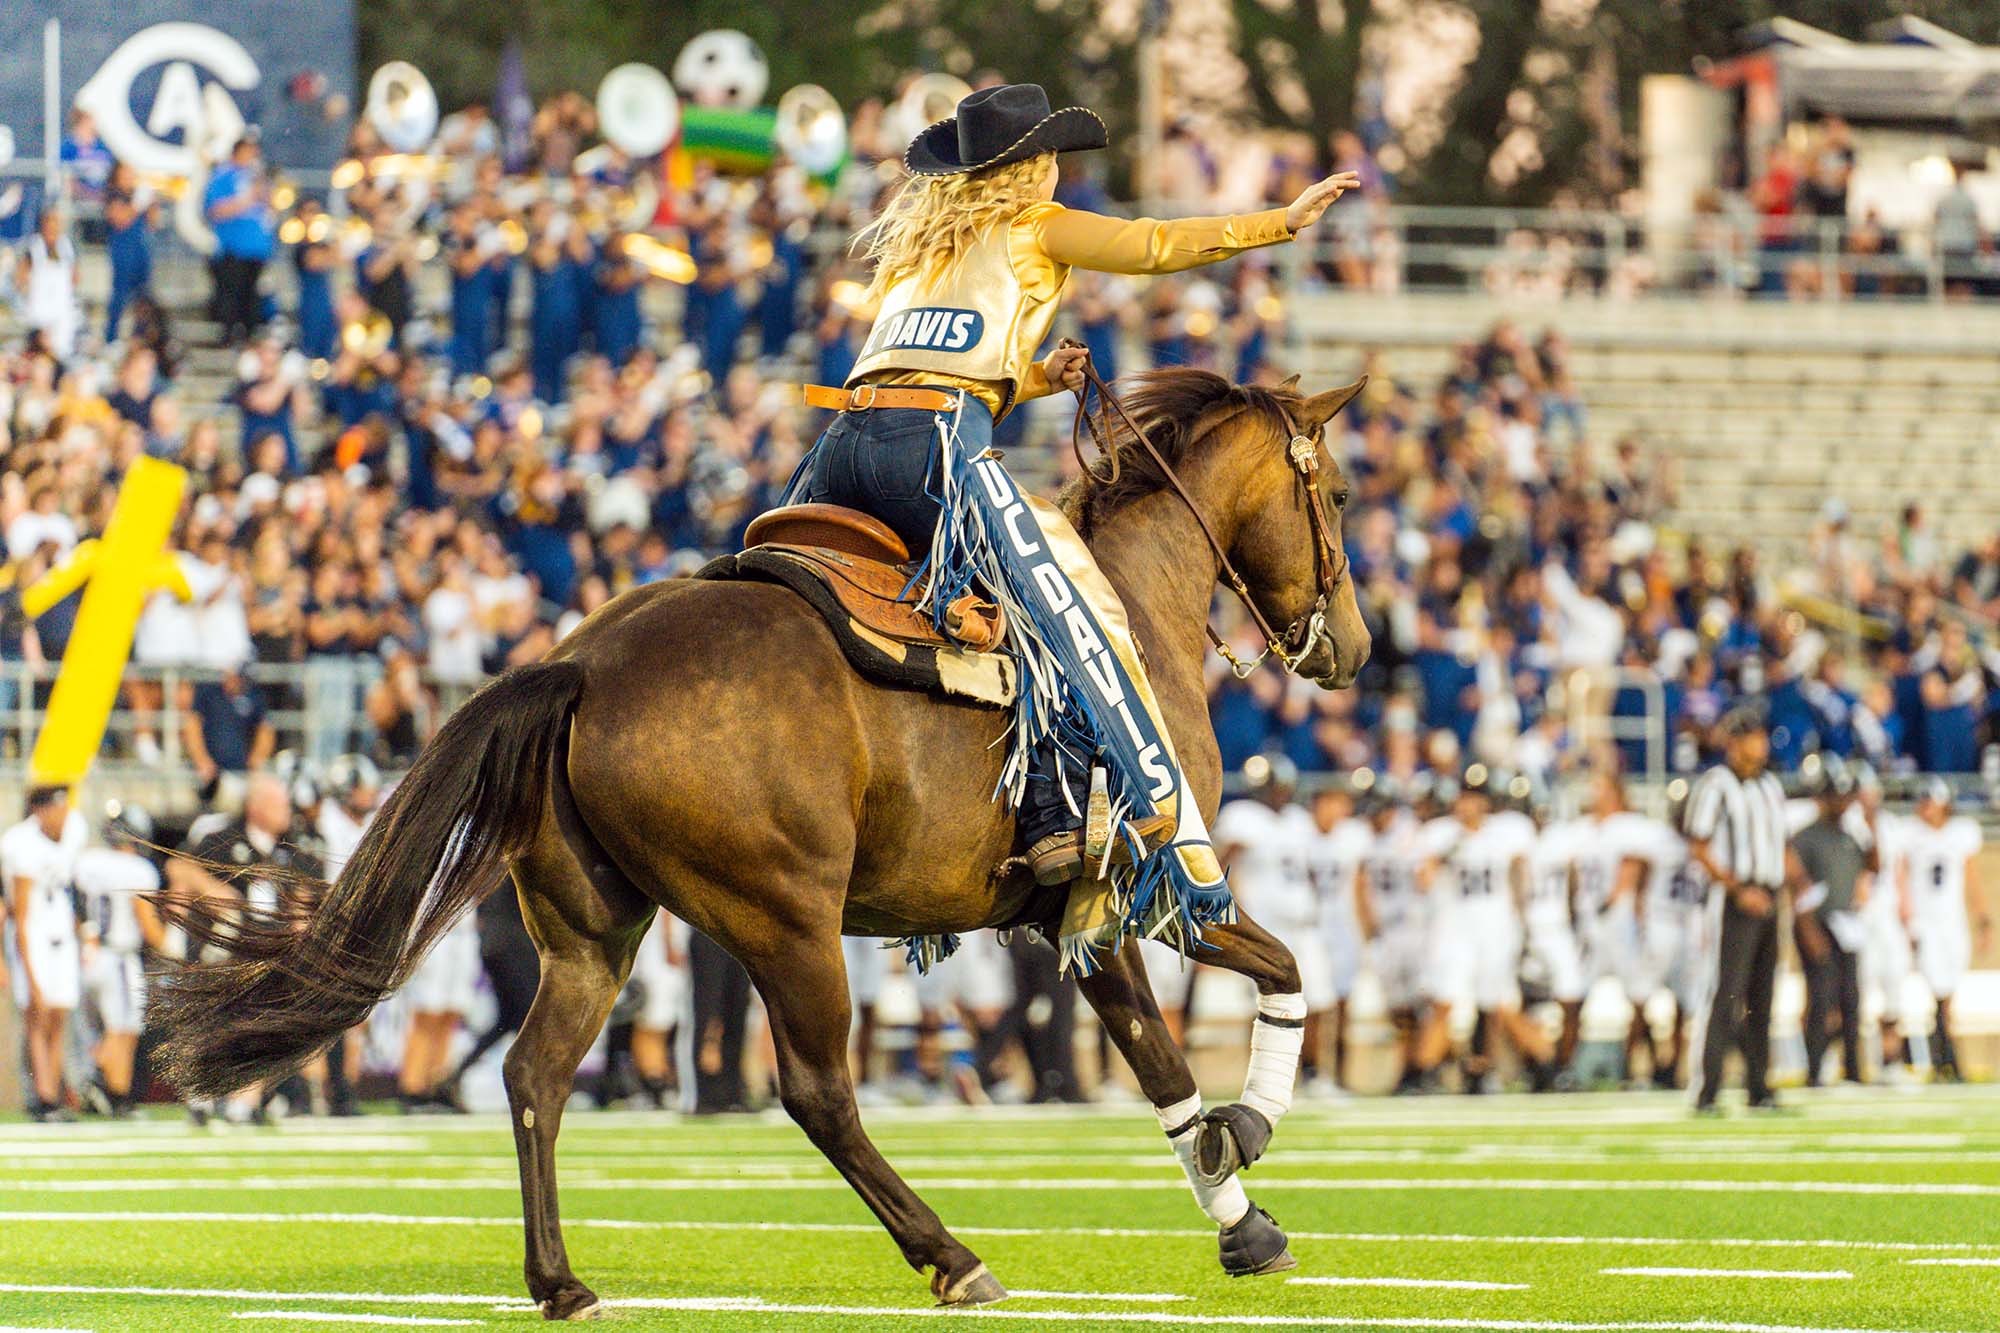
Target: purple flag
[[513, 109]]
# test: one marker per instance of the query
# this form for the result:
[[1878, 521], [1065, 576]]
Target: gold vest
[[978, 322]]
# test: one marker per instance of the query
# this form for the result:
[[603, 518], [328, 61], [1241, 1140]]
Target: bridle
[[1303, 635]]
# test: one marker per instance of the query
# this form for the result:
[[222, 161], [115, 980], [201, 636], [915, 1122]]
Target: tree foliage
[[1529, 81]]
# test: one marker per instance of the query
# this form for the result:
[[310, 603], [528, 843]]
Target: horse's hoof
[[977, 1287], [1228, 1140], [1255, 1245], [577, 1303]]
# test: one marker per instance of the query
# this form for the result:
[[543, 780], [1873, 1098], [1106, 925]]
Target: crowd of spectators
[[470, 409], [1521, 585]]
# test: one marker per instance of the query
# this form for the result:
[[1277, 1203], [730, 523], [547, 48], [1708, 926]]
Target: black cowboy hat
[[998, 126]]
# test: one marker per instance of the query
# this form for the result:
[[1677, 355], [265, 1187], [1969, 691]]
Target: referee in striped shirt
[[1735, 826]]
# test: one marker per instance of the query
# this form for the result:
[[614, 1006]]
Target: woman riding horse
[[971, 258], [702, 745]]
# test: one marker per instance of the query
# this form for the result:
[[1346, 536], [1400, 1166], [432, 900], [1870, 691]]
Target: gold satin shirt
[[978, 326]]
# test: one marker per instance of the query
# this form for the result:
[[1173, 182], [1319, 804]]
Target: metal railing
[[1372, 245], [316, 708], [1561, 253], [1600, 701]]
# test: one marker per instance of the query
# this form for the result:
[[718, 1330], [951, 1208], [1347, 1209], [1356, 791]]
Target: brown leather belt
[[864, 396]]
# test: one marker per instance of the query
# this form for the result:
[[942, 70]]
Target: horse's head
[[1289, 549], [1233, 448]]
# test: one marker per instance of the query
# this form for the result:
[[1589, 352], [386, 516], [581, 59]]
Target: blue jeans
[[881, 462]]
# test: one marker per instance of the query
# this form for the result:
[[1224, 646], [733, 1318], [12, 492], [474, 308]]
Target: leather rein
[[1304, 634]]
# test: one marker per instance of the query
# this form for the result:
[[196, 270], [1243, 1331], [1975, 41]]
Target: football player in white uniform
[[1663, 906], [1339, 844], [1395, 917], [975, 986], [356, 787], [117, 923], [1266, 842], [1886, 956], [1610, 870], [1552, 954], [353, 791], [660, 968], [441, 994], [1478, 883], [39, 860], [1948, 907]]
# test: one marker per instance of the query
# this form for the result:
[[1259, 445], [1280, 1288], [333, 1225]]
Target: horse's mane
[[1178, 407]]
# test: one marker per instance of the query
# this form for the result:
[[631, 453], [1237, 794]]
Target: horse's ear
[[1290, 381], [1323, 407]]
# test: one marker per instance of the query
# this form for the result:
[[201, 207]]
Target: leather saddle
[[867, 569]]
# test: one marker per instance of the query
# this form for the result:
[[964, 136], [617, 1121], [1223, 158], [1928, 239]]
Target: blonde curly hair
[[931, 221]]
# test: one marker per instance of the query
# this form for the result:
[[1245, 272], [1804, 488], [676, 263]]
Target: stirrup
[[1058, 857], [975, 622]]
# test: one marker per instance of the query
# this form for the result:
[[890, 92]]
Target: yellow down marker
[[117, 572]]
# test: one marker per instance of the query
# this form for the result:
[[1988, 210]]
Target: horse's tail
[[440, 843]]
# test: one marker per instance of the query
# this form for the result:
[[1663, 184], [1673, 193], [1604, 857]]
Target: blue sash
[[1077, 694]]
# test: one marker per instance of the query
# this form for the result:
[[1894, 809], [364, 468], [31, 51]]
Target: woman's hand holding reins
[[1064, 368], [1318, 197]]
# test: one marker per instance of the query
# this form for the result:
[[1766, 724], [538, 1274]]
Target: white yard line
[[1113, 1233], [1955, 1263], [323, 1317], [1135, 1297], [1583, 1109], [1788, 1274], [755, 1306], [236, 1294], [1162, 1181], [809, 1165], [1591, 1111], [193, 1149], [1421, 1283], [1185, 1320]]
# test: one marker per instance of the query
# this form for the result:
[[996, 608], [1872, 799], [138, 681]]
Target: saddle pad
[[937, 668]]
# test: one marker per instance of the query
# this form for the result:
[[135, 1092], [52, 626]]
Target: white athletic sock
[[1276, 1039], [1225, 1203]]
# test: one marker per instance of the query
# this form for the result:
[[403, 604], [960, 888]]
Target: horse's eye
[[1340, 500]]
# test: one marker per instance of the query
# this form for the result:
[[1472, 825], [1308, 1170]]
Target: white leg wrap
[[1276, 1039], [1225, 1203]]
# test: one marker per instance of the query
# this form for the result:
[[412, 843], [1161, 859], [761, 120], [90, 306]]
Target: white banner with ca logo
[[203, 114]]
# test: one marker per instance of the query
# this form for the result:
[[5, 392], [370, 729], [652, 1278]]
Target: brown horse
[[704, 747]]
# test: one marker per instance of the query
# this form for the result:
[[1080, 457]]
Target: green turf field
[[1875, 1211]]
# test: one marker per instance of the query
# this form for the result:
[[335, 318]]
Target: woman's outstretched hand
[[1305, 209]]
